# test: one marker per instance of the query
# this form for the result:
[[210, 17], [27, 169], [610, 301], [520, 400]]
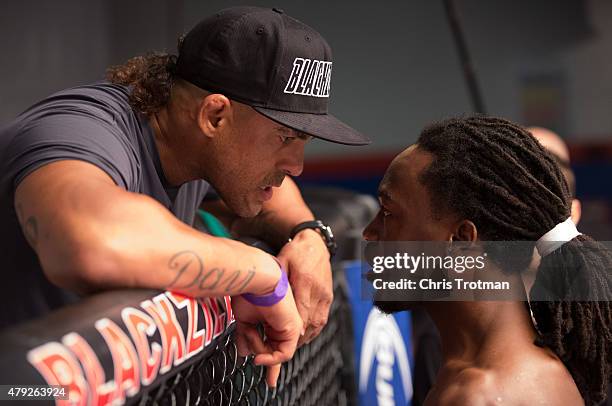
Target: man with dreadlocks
[[486, 179], [99, 184]]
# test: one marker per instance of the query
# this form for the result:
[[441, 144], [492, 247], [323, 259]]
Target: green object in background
[[214, 226]]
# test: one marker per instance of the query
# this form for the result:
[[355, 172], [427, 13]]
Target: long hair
[[513, 190], [150, 79]]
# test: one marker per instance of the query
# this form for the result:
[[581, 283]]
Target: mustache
[[274, 179]]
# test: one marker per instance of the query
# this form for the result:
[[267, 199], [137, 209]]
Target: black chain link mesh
[[320, 373]]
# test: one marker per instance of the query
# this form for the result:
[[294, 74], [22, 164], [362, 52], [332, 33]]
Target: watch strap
[[326, 233]]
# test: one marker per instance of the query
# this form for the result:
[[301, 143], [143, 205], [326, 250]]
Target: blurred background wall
[[542, 62]]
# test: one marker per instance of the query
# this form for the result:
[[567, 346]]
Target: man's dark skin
[[489, 353]]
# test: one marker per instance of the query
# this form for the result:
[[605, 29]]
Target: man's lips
[[266, 192]]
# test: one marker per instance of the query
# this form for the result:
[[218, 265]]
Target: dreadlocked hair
[[149, 78], [513, 190]]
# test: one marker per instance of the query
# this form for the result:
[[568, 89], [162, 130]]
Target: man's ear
[[215, 114], [576, 212], [465, 231]]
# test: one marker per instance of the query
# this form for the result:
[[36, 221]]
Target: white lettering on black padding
[[309, 77]]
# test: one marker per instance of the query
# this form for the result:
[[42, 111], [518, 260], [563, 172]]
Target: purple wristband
[[271, 298]]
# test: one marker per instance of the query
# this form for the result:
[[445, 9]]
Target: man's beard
[[390, 307]]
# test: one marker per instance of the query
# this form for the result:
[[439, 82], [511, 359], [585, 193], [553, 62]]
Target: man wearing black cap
[[100, 183]]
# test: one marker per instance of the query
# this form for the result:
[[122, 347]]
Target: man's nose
[[293, 162], [370, 233]]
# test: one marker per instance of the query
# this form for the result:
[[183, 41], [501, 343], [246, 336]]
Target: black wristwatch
[[326, 233]]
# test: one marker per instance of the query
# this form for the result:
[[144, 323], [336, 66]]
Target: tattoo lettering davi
[[188, 270]]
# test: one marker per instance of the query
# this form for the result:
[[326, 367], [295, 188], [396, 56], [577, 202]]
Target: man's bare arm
[[90, 234]]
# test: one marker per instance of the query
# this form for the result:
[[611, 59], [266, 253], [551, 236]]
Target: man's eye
[[286, 140]]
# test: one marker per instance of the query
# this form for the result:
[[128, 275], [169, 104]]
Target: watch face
[[330, 241], [326, 233]]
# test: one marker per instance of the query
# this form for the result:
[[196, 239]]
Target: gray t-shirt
[[92, 123]]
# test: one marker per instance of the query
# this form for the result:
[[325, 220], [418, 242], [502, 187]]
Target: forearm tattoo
[[189, 272]]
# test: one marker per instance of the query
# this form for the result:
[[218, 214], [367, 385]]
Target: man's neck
[[165, 132], [478, 327]]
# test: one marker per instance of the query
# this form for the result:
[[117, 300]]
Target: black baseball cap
[[274, 63]]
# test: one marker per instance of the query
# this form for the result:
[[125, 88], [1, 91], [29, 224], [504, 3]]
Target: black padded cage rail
[[321, 372]]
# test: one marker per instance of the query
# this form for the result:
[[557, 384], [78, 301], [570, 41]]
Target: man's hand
[[282, 328], [306, 259]]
